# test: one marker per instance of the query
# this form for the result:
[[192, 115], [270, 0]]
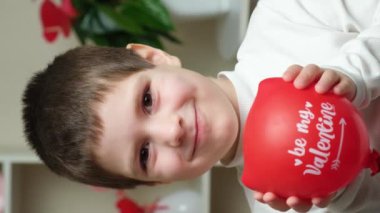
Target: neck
[[228, 89]]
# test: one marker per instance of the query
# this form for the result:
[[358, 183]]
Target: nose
[[167, 130]]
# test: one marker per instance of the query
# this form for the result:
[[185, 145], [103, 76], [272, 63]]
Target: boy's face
[[165, 124]]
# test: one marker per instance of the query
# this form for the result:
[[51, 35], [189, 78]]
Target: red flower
[[56, 19]]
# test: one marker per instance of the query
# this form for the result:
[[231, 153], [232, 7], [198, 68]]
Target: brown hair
[[60, 122]]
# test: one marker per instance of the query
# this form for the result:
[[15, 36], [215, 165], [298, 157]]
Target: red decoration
[[56, 19], [301, 143], [127, 205]]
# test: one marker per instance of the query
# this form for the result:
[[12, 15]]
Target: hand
[[295, 203], [327, 80]]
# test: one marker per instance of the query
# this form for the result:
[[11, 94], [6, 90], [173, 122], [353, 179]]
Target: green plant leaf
[[79, 32], [170, 37], [148, 13], [82, 6], [158, 10], [99, 40], [153, 41], [92, 23], [119, 39], [121, 21]]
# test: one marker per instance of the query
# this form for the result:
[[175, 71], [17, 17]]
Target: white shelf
[[31, 187]]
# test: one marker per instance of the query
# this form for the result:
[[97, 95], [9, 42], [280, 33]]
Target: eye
[[144, 156], [147, 100]]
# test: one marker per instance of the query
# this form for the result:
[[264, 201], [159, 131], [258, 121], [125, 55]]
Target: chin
[[197, 172]]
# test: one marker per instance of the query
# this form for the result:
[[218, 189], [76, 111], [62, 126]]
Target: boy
[[121, 118]]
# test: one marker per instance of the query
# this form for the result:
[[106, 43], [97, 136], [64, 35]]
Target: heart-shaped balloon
[[301, 143]]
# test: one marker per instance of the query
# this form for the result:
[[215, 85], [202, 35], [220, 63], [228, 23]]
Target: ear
[[154, 55]]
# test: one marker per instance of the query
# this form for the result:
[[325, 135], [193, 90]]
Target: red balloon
[[301, 143]]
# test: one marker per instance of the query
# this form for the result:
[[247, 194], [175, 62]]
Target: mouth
[[196, 131]]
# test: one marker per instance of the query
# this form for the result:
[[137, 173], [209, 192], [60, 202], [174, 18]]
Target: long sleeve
[[360, 59], [360, 196]]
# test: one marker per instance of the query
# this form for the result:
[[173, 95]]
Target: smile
[[196, 130]]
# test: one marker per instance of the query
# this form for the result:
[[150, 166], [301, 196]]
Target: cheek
[[170, 167], [177, 88], [176, 170]]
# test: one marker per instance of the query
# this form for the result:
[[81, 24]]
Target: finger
[[322, 202], [275, 202], [258, 196], [308, 75], [345, 87], [327, 81], [291, 73], [299, 205]]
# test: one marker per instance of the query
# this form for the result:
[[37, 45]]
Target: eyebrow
[[138, 90]]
